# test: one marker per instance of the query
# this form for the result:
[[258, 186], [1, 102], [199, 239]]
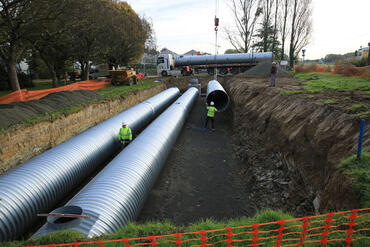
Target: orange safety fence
[[25, 95], [348, 228]]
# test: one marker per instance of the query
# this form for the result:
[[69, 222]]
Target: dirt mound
[[18, 111], [263, 70]]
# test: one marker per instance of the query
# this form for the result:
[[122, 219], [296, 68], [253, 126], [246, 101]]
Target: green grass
[[117, 91], [360, 172], [133, 230], [362, 114], [287, 92], [358, 106], [316, 82], [329, 101]]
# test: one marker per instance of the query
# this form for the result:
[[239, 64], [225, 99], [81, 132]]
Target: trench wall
[[21, 143], [311, 135]]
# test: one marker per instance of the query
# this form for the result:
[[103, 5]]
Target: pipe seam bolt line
[[38, 184], [117, 194]]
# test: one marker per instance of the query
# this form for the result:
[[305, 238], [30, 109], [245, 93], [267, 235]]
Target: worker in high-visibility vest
[[211, 110], [125, 134]]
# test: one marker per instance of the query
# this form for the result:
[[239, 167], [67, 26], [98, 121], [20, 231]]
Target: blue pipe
[[360, 139]]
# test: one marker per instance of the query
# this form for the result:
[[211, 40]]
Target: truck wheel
[[164, 73]]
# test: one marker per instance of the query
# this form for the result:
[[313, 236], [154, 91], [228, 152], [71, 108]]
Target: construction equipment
[[123, 76]]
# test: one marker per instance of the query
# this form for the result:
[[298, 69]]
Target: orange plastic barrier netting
[[334, 229], [25, 95]]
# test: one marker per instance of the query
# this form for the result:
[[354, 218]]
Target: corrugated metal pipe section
[[116, 195], [237, 58], [217, 94], [37, 185]]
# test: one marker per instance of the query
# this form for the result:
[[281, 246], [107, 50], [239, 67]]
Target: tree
[[301, 28], [90, 29], [267, 29], [274, 42], [231, 51], [246, 14], [51, 38], [128, 36], [15, 19], [283, 28], [266, 34]]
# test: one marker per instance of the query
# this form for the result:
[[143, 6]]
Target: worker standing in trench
[[125, 135], [211, 110]]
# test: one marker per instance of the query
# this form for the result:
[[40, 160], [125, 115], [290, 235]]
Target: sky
[[339, 26]]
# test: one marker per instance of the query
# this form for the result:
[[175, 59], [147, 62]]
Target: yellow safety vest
[[125, 134], [211, 111]]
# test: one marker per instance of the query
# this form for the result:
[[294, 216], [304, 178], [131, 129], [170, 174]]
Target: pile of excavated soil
[[18, 111], [264, 70]]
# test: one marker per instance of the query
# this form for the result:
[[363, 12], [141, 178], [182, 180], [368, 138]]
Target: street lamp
[[303, 54]]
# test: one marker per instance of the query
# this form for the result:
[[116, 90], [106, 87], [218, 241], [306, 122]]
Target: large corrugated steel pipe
[[116, 195], [37, 185], [217, 94]]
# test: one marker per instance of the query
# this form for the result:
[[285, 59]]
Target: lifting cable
[[217, 20]]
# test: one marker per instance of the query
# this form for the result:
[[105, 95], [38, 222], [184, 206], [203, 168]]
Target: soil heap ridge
[[18, 111]]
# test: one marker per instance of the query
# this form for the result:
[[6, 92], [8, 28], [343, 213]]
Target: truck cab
[[166, 65]]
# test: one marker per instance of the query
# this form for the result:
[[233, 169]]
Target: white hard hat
[[124, 123], [212, 103]]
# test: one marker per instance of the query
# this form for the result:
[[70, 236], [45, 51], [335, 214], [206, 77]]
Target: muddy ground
[[221, 175]]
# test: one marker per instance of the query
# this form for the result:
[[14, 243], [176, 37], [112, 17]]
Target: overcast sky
[[339, 26]]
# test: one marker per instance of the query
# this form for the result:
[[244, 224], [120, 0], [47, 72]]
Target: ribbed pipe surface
[[37, 185], [116, 195], [217, 94], [238, 58]]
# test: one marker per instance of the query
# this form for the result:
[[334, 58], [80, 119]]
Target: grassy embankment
[[359, 170], [133, 230], [315, 85], [321, 83], [108, 92]]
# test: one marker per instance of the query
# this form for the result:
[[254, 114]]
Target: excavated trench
[[224, 174], [246, 165]]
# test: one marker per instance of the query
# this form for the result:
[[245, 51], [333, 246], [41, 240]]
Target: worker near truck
[[211, 110], [125, 134]]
